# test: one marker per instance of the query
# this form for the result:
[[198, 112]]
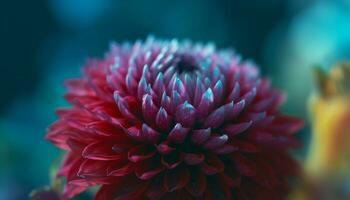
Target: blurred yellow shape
[[329, 153], [327, 166]]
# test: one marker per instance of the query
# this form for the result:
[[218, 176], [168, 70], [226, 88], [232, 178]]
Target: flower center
[[186, 64]]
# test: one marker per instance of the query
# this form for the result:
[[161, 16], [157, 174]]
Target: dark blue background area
[[44, 42]]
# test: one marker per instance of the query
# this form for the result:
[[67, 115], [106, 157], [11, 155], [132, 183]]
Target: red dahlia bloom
[[170, 120]]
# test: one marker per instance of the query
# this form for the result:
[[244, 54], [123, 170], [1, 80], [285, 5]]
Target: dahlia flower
[[174, 120]]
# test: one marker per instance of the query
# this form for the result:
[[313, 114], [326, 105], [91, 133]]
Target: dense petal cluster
[[174, 120]]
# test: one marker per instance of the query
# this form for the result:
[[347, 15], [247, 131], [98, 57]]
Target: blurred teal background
[[44, 42]]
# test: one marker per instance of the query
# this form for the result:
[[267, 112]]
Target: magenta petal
[[263, 104], [256, 116], [249, 96], [142, 88], [264, 122], [164, 148], [115, 81], [235, 129], [120, 169], [216, 118], [237, 109], [147, 171], [193, 158], [218, 91], [90, 181], [135, 133], [199, 89], [215, 141], [216, 75], [158, 85], [228, 109], [149, 109], [123, 107], [130, 81], [75, 145], [140, 153], [176, 99], [186, 114], [163, 120], [168, 74], [92, 168], [179, 87], [100, 151], [60, 140], [70, 163], [235, 92], [150, 134], [188, 80], [205, 103], [178, 134], [145, 72], [103, 128], [200, 136], [225, 149], [166, 103], [151, 92]]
